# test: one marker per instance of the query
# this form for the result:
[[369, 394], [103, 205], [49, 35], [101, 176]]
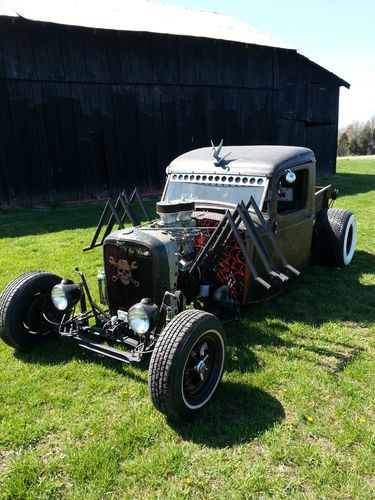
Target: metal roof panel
[[139, 15], [245, 160]]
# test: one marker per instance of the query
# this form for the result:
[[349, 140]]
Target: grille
[[129, 275]]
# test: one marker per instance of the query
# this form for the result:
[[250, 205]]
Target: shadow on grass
[[26, 222], [323, 295], [239, 414], [332, 295], [350, 184], [60, 351], [17, 223]]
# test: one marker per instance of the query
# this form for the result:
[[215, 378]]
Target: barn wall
[[84, 112], [306, 108]]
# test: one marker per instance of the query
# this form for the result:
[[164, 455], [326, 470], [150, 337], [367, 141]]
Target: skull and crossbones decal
[[124, 271]]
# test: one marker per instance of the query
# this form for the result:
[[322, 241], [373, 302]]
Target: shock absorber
[[82, 303]]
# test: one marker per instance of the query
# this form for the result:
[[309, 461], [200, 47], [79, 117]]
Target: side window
[[292, 197]]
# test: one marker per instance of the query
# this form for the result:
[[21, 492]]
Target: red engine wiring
[[230, 262]]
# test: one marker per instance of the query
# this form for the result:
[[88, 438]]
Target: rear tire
[[187, 363], [334, 237], [22, 304]]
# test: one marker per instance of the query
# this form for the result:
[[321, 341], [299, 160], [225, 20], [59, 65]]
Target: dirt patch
[[5, 456]]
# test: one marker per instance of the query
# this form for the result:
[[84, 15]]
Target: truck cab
[[281, 180]]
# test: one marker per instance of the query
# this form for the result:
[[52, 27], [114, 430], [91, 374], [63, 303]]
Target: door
[[294, 214]]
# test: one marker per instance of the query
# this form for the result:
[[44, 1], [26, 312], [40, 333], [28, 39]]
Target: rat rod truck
[[235, 226]]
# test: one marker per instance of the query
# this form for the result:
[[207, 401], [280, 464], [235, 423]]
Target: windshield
[[229, 195]]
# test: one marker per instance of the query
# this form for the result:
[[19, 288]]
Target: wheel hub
[[34, 321], [201, 367]]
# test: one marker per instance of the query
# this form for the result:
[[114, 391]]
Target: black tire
[[22, 303], [187, 363], [334, 237]]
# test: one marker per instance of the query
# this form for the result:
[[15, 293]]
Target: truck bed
[[321, 198]]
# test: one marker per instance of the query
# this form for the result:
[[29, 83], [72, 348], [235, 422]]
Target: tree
[[365, 140], [354, 147], [357, 139], [343, 145], [354, 130]]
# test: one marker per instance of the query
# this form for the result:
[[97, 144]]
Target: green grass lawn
[[294, 417]]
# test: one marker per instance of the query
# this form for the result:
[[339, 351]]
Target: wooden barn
[[95, 97]]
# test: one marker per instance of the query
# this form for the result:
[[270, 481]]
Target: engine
[[147, 261]]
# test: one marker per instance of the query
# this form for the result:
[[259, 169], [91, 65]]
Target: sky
[[337, 34]]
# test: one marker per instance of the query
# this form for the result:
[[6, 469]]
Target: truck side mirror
[[290, 177]]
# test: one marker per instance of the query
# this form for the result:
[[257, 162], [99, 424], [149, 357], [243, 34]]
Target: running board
[[105, 350], [229, 227]]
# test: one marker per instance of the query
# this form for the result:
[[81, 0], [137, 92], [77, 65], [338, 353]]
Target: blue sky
[[339, 35]]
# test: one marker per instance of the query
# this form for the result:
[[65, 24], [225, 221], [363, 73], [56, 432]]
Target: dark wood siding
[[84, 112]]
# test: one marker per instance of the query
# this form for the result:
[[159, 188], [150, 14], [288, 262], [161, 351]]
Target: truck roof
[[256, 160]]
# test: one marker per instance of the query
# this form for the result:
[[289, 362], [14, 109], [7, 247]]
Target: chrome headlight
[[59, 298], [143, 316], [65, 295]]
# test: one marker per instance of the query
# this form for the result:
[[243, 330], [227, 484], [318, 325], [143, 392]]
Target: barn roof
[[139, 15], [144, 16]]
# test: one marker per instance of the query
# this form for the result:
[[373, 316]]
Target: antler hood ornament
[[219, 161], [216, 151]]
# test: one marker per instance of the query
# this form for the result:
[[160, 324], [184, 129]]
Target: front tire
[[334, 237], [187, 363], [22, 304]]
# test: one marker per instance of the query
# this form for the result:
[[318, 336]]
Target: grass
[[294, 417]]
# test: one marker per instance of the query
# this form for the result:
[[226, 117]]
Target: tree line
[[357, 139]]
